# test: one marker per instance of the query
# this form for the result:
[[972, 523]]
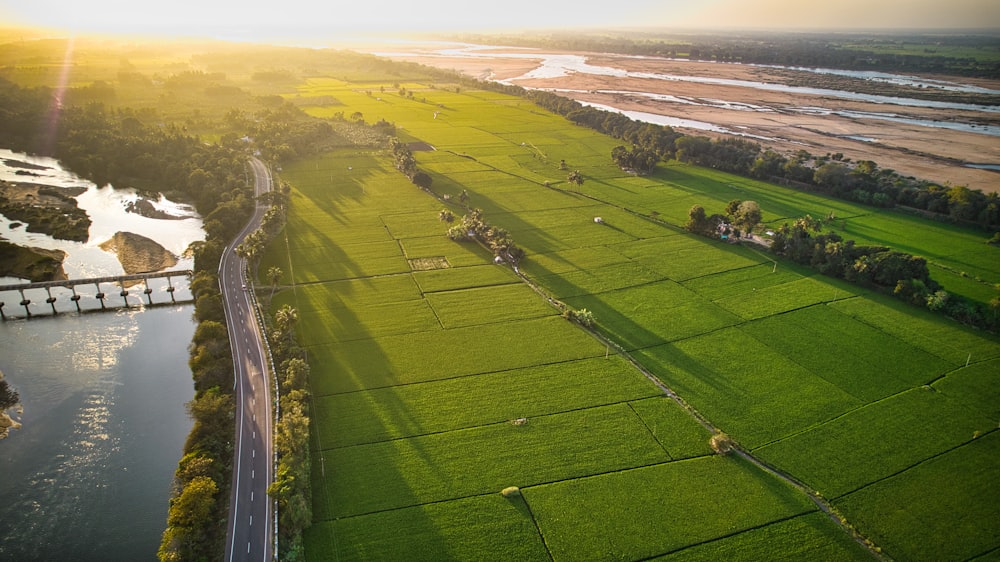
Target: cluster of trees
[[474, 227], [405, 162], [115, 146], [740, 217], [282, 132], [636, 160], [199, 507], [903, 275], [292, 487]]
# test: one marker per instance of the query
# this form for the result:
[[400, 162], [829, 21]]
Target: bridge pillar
[[148, 292], [100, 294], [2, 315], [124, 293], [75, 298], [25, 302], [170, 289], [51, 300]]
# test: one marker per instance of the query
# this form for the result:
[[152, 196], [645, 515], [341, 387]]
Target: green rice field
[[440, 379]]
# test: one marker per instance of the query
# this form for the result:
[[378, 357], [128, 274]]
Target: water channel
[[88, 475]]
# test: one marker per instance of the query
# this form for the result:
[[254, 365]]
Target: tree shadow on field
[[355, 479]]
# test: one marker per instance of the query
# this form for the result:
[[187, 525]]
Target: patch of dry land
[[933, 130], [139, 254]]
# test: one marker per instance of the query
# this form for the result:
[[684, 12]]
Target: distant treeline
[[921, 53], [863, 181]]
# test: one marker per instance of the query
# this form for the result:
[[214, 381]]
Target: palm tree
[[274, 273]]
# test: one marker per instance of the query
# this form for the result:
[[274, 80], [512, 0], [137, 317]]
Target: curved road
[[250, 531]]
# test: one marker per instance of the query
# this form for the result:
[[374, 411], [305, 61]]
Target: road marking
[[248, 547], [253, 453], [251, 499], [253, 474], [251, 520]]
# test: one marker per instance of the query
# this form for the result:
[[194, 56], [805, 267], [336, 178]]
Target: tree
[[747, 216], [446, 216], [274, 273], [575, 178], [422, 180]]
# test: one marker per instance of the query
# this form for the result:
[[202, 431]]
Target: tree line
[[884, 269], [862, 181], [858, 51]]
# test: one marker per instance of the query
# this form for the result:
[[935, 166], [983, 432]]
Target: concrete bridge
[[122, 281]]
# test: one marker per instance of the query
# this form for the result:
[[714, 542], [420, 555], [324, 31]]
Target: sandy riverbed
[[934, 153]]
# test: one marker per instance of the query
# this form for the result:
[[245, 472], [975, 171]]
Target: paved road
[[250, 532]]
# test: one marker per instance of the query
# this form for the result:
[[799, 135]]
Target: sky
[[263, 18]]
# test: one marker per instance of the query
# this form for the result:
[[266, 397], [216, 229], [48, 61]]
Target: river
[[89, 473]]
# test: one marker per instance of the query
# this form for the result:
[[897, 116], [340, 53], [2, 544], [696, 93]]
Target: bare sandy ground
[[932, 153]]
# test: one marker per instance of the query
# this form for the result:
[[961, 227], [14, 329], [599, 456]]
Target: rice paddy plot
[[484, 459], [456, 254], [652, 314], [594, 257], [503, 396], [673, 427], [922, 328], [943, 509], [580, 283], [477, 528], [348, 261], [876, 441], [488, 305], [467, 277], [682, 257], [671, 506], [775, 299], [748, 390], [977, 386], [744, 280], [812, 536], [861, 360], [412, 225], [440, 354], [322, 321]]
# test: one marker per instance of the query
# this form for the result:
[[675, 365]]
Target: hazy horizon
[[257, 19]]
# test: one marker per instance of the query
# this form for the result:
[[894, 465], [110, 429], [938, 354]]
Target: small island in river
[[139, 254]]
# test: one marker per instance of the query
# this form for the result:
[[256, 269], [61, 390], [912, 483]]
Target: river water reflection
[[89, 473]]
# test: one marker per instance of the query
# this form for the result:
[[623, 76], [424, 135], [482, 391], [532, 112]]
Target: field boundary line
[[916, 464]]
